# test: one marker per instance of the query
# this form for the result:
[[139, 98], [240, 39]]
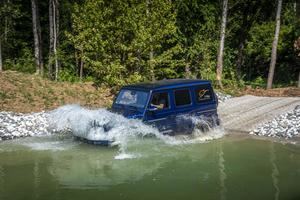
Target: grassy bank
[[21, 92]]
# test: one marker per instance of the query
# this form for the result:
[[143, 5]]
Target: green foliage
[[259, 47], [259, 81], [115, 39], [197, 23], [9, 13], [68, 75], [24, 63], [121, 42], [260, 43]]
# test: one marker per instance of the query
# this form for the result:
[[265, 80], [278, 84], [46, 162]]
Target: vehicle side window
[[182, 97], [203, 94], [160, 100]]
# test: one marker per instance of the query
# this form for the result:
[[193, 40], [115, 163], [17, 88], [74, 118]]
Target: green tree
[[274, 46], [9, 12], [197, 22], [259, 47], [117, 40]]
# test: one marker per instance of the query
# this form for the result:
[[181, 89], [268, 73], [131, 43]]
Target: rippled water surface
[[227, 168]]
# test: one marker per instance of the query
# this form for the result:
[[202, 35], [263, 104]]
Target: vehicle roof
[[168, 84]]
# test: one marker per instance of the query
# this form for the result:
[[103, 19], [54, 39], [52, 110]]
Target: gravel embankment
[[15, 125], [223, 97], [284, 126]]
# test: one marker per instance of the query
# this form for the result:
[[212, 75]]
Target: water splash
[[101, 124], [123, 156], [97, 124], [205, 129]]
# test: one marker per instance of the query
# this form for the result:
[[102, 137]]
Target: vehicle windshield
[[133, 98]]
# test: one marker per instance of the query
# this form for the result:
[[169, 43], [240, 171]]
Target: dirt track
[[241, 114]]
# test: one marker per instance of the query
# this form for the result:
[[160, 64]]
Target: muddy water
[[227, 168]]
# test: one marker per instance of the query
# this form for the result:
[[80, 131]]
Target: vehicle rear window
[[182, 97], [203, 94]]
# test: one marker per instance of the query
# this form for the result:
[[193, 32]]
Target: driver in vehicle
[[159, 103]]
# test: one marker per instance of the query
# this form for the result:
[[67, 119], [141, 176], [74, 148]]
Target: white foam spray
[[101, 124]]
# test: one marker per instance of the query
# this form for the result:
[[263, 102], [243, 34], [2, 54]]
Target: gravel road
[[243, 114]]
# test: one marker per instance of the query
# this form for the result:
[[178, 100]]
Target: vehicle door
[[184, 108], [206, 102], [160, 113]]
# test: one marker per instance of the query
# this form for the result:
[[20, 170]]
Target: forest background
[[118, 42]]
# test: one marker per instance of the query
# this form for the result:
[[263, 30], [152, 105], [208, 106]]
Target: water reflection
[[222, 172], [1, 180], [275, 171], [36, 178], [99, 169], [95, 171], [222, 169]]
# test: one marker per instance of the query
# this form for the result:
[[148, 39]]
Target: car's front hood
[[128, 113]]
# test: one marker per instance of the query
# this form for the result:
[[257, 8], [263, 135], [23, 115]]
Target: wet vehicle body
[[174, 106]]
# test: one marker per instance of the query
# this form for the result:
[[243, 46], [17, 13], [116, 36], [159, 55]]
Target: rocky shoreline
[[222, 97], [285, 126], [16, 125]]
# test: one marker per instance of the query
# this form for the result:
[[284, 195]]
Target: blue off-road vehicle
[[174, 106]]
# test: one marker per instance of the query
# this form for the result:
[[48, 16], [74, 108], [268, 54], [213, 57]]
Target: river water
[[231, 167]]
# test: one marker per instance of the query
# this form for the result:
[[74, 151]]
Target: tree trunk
[[1, 65], [240, 59], [77, 63], [51, 39], [55, 31], [299, 80], [274, 46], [139, 69], [36, 36], [297, 5], [221, 47], [40, 42], [187, 70], [57, 63], [53, 34], [297, 14], [242, 40], [187, 67], [81, 66], [5, 29], [151, 53], [151, 65], [6, 24]]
